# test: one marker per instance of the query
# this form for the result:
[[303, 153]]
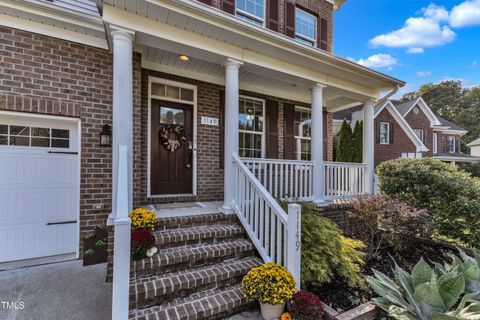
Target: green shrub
[[451, 196], [472, 168], [344, 150], [423, 295], [326, 253], [379, 221]]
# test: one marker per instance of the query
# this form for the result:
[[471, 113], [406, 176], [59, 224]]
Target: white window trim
[[262, 133], [304, 37], [435, 141], [298, 153], [380, 133], [422, 135], [454, 144], [149, 134], [251, 16]]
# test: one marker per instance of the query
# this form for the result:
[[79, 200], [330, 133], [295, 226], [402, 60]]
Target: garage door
[[39, 187]]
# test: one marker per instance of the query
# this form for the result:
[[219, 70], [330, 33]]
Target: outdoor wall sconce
[[106, 136]]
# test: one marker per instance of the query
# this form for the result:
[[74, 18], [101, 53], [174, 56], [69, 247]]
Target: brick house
[[410, 129], [207, 100]]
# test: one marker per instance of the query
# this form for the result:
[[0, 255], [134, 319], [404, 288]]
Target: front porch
[[252, 121]]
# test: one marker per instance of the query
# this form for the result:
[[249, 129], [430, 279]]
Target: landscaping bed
[[341, 297]]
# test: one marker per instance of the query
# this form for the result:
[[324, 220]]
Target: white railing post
[[294, 241], [121, 254]]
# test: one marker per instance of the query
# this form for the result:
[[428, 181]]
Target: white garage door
[[39, 187]]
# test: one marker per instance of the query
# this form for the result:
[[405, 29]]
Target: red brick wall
[[442, 142], [209, 173], [421, 121], [40, 74], [321, 8], [401, 142]]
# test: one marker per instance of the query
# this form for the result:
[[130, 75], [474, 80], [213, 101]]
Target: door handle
[[61, 222]]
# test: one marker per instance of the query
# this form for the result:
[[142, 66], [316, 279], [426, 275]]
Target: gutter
[[389, 95]]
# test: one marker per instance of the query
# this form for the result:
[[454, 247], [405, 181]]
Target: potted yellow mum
[[271, 285]]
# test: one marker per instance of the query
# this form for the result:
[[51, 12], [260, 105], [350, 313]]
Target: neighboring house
[[188, 87], [410, 129], [474, 147]]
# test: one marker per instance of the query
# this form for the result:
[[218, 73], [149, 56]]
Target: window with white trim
[[451, 144], [251, 127], [305, 27], [26, 136], [251, 10], [384, 133], [420, 134], [303, 134], [435, 143]]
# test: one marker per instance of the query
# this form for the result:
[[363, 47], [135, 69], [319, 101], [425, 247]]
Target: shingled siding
[[45, 75], [209, 169], [401, 142]]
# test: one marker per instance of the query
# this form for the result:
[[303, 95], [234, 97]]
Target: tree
[[358, 142], [345, 143], [453, 102]]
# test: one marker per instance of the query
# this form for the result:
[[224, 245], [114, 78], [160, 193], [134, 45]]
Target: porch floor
[[180, 209]]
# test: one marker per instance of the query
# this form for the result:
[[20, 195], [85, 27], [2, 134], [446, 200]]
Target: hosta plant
[[468, 266], [424, 295]]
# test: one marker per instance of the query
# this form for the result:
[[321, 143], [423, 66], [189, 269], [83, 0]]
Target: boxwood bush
[[451, 196]]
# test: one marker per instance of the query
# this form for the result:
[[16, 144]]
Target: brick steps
[[197, 271], [206, 305], [178, 258], [196, 221], [146, 292], [197, 235]]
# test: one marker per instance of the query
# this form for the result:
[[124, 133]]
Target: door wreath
[[172, 130]]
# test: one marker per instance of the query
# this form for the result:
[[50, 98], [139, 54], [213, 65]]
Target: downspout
[[390, 94]]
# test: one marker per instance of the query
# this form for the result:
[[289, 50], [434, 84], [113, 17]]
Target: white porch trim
[[317, 144], [369, 144]]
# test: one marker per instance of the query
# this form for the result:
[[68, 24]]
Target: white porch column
[[369, 144], [122, 109], [232, 68], [317, 144]]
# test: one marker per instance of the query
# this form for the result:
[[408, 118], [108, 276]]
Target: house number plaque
[[210, 121]]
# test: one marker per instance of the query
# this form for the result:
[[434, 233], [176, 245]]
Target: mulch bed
[[341, 297]]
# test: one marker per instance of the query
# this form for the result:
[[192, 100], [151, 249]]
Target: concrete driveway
[[60, 291]]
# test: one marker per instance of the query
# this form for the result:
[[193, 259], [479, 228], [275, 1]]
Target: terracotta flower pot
[[271, 311]]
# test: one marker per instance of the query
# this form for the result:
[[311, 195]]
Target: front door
[[172, 148]]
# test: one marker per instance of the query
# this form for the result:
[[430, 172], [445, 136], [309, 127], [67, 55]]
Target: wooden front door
[[172, 148]]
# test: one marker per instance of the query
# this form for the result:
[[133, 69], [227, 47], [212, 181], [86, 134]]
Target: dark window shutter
[[391, 133], [290, 18], [209, 2], [228, 6], [222, 129], [289, 132], [377, 133], [272, 20], [272, 129], [322, 36]]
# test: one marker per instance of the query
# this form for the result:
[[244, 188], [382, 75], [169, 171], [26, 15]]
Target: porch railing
[[275, 234], [344, 180], [284, 179]]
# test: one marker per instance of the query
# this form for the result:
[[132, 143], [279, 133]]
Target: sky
[[416, 41]]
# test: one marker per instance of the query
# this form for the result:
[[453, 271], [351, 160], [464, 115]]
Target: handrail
[[276, 235], [264, 192], [284, 179], [344, 180]]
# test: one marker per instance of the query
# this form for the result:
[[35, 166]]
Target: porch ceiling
[[252, 78]]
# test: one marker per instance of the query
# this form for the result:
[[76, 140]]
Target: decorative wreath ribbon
[[172, 144]]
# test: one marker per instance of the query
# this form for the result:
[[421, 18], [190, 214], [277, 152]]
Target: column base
[[226, 210]]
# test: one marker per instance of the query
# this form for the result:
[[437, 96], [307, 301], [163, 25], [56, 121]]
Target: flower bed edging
[[366, 311]]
